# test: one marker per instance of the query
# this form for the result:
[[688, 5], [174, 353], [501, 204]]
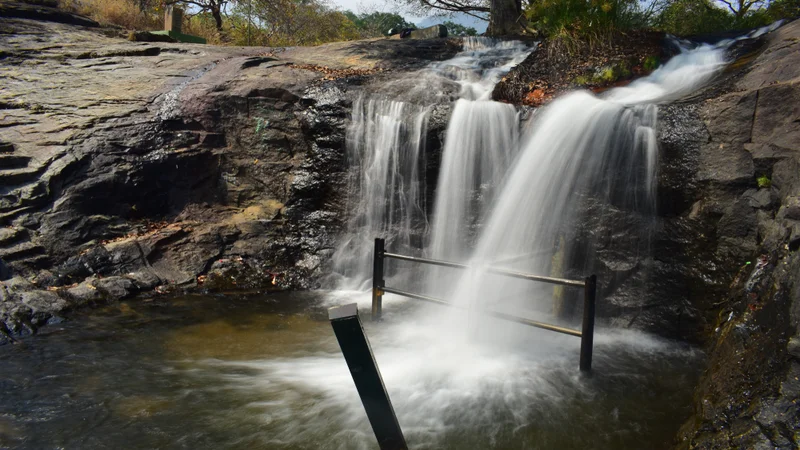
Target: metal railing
[[589, 285]]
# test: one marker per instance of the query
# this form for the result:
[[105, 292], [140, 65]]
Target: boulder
[[44, 301], [436, 31], [83, 294], [115, 287]]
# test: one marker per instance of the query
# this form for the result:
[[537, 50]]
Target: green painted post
[[378, 283], [587, 331]]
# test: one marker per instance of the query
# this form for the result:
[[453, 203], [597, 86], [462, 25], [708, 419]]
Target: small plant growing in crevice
[[764, 181], [651, 63]]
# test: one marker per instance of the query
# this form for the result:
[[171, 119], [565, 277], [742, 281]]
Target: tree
[[504, 16], [784, 9], [213, 7], [456, 29], [687, 17], [741, 7], [378, 23], [288, 22]]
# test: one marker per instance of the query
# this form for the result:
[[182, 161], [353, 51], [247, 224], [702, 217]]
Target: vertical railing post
[[378, 282], [587, 331]]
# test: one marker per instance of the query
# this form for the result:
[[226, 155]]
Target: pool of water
[[240, 372]]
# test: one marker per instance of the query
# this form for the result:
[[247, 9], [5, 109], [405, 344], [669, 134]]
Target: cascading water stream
[[582, 156], [480, 143], [386, 144]]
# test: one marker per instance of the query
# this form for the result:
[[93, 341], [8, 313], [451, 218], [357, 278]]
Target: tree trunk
[[505, 18], [217, 15]]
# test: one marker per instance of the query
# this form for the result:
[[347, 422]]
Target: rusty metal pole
[[361, 362], [587, 331], [378, 283]]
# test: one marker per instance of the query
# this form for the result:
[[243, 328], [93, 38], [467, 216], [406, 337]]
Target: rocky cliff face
[[131, 166], [743, 221]]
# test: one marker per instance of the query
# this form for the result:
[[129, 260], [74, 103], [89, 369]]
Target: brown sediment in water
[[260, 336]]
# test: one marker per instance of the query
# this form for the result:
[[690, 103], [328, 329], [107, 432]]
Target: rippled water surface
[[266, 372]]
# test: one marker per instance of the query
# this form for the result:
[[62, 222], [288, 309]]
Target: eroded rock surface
[[131, 166]]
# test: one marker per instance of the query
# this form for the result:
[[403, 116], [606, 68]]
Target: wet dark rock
[[83, 294], [19, 284], [115, 287], [739, 220], [237, 273], [761, 198], [790, 209], [794, 239], [43, 301], [5, 271], [748, 396], [145, 279]]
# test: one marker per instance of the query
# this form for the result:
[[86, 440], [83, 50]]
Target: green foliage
[[277, 23], [691, 17], [764, 181], [572, 25], [455, 29], [604, 75], [783, 9], [688, 17], [581, 80], [651, 63], [377, 24], [261, 125]]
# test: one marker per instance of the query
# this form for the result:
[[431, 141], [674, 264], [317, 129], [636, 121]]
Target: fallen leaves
[[335, 74]]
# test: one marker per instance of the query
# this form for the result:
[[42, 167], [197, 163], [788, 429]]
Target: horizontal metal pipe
[[492, 270], [435, 262], [499, 315], [517, 258], [526, 276]]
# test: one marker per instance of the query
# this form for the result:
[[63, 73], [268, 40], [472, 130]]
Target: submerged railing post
[[587, 331], [378, 283], [361, 362]]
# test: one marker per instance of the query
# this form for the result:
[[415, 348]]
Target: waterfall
[[479, 145], [386, 142], [582, 159], [386, 146], [521, 196]]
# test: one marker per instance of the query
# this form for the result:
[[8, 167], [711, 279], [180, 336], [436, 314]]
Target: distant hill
[[459, 18]]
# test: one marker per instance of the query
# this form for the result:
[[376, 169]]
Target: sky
[[359, 6]]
